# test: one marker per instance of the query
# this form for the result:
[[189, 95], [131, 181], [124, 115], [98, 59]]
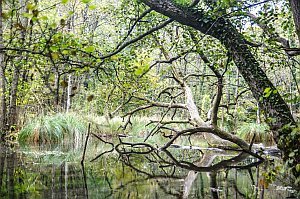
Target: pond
[[49, 171]]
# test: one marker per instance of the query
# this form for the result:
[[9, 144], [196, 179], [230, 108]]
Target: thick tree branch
[[295, 7]]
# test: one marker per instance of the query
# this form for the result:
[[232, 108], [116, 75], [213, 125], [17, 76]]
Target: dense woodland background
[[227, 69]]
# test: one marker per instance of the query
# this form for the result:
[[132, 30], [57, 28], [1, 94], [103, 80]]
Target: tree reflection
[[165, 166], [127, 170]]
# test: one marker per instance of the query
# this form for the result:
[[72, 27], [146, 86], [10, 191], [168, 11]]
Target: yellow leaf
[[64, 84], [54, 55]]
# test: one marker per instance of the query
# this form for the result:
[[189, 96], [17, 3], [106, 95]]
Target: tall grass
[[53, 129], [261, 131], [71, 128]]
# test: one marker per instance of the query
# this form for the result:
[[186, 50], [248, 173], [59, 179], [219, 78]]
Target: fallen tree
[[275, 109]]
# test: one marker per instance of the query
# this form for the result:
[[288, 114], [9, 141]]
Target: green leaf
[[44, 18], [138, 71], [85, 1], [65, 52], [292, 154], [54, 56], [92, 7], [267, 90], [30, 6], [54, 48], [27, 15], [89, 49], [64, 1], [53, 25], [298, 167]]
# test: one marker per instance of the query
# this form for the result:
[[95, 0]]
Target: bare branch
[[133, 26], [170, 122], [124, 45], [196, 75], [161, 104]]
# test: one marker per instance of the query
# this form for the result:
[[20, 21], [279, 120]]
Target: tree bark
[[275, 109], [69, 93], [13, 115], [2, 80], [295, 7]]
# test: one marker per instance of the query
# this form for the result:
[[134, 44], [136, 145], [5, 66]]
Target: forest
[[186, 98]]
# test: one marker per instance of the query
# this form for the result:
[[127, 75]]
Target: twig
[[85, 144], [111, 150]]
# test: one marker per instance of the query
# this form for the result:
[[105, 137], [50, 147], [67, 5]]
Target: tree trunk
[[295, 7], [2, 81], [13, 118], [69, 93], [275, 109], [57, 86]]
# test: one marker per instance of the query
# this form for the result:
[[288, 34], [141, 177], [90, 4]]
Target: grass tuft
[[53, 129], [261, 131]]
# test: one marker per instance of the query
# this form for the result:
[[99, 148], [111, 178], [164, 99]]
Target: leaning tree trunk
[[295, 7], [276, 111]]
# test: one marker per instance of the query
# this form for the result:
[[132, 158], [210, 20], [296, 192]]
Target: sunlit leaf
[[92, 7], [64, 1], [30, 6], [292, 154], [89, 49], [114, 57], [138, 71], [298, 167], [65, 52], [54, 48], [44, 18], [53, 25], [54, 55], [27, 15], [85, 1]]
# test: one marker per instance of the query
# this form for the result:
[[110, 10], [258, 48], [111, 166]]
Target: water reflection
[[132, 173]]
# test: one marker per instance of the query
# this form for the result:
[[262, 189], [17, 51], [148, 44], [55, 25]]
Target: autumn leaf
[[90, 98], [64, 84]]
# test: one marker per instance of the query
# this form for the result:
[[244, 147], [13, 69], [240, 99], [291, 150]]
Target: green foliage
[[86, 1], [56, 46], [292, 155], [64, 1]]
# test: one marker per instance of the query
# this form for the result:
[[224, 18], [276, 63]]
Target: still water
[[55, 172]]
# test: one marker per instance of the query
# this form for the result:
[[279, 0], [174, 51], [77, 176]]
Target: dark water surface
[[56, 172]]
